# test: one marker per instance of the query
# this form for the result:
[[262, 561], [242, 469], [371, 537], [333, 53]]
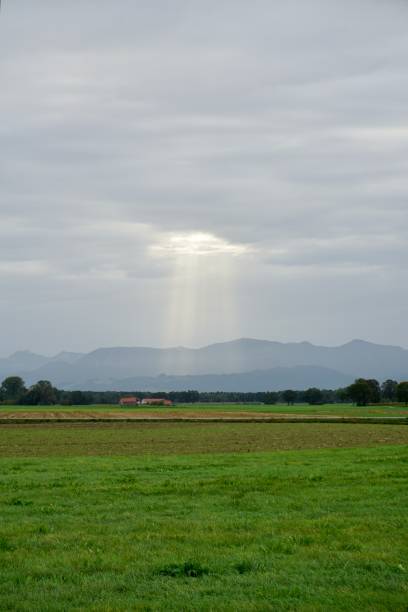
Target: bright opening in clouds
[[199, 244], [191, 171], [201, 286]]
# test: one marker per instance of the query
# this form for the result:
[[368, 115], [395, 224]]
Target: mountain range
[[239, 365]]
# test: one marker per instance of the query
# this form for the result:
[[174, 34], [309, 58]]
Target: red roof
[[129, 400], [157, 400]]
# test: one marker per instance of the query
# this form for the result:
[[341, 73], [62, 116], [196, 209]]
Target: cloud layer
[[278, 132]]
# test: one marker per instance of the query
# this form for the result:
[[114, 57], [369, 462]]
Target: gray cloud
[[280, 129]]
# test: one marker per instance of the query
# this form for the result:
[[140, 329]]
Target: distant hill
[[26, 361], [105, 367], [21, 361], [276, 379]]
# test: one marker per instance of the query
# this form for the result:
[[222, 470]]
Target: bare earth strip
[[83, 416], [163, 438]]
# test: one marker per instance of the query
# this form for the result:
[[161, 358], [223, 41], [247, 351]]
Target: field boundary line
[[265, 420]]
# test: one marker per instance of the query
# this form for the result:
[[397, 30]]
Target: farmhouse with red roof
[[156, 401], [129, 401]]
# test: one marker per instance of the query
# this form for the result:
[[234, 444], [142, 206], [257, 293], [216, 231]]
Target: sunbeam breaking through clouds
[[201, 288]]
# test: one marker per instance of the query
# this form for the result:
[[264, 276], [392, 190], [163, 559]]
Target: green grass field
[[204, 517], [297, 409]]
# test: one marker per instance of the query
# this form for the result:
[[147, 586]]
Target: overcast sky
[[189, 171]]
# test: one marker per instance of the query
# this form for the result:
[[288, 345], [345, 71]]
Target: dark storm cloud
[[282, 129]]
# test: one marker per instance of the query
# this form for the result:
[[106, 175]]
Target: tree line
[[362, 392]]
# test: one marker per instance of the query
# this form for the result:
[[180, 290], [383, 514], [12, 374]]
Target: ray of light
[[201, 290]]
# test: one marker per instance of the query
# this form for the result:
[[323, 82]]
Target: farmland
[[113, 439], [203, 516], [210, 410]]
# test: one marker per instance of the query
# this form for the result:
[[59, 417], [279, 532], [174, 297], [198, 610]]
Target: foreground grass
[[185, 438], [291, 530], [181, 409]]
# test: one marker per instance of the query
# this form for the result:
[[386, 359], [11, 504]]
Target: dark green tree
[[270, 397], [342, 395], [42, 393], [402, 392], [364, 391], [12, 388], [78, 398], [389, 390], [313, 396], [360, 392], [375, 396], [192, 396], [289, 396]]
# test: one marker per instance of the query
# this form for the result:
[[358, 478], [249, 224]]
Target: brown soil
[[136, 438], [33, 416]]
